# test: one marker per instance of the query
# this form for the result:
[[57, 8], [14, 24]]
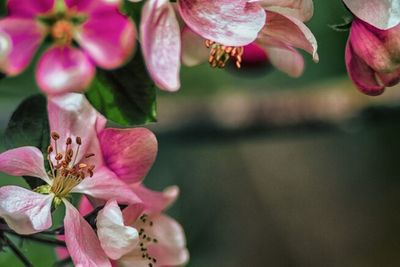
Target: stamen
[[66, 175], [221, 54]]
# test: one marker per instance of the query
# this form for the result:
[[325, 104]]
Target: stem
[[17, 252], [38, 238]]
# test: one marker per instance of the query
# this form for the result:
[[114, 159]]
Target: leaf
[[29, 126], [126, 95]]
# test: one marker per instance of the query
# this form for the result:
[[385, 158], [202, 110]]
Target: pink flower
[[154, 238], [139, 235], [382, 14], [373, 57], [282, 32], [105, 37], [234, 23], [74, 156]]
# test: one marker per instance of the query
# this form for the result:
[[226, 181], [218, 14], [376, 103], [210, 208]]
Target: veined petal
[[231, 23], [71, 115], [92, 6], [82, 242], [194, 51], [300, 9], [361, 74], [382, 14], [24, 38], [64, 69], [285, 58], [29, 9], [154, 201], [24, 161], [115, 238], [105, 185], [129, 153], [24, 211], [108, 37], [161, 44], [368, 43], [291, 32], [390, 79]]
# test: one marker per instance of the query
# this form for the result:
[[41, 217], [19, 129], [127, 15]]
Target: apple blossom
[[77, 165], [282, 32], [104, 36], [373, 57]]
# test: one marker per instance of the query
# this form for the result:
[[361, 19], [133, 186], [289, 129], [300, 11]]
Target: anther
[[49, 149], [78, 140], [69, 141], [89, 155], [55, 136], [59, 156]]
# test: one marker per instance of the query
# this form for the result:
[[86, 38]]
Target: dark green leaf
[[126, 95], [29, 126]]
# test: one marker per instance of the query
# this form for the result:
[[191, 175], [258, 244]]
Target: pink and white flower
[[139, 235], [229, 23], [282, 32], [373, 57], [105, 38], [77, 165]]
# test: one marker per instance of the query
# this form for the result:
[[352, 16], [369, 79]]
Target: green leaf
[[29, 126], [126, 95]]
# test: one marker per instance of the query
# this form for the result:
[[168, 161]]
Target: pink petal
[[291, 32], [194, 51], [382, 14], [161, 45], [23, 38], [302, 10], [92, 6], [82, 242], [64, 69], [390, 79], [170, 250], [156, 201], [71, 115], [361, 74], [24, 161], [286, 59], [115, 238], [29, 9], [254, 55], [24, 211], [132, 213], [368, 43], [232, 23], [169, 256], [105, 185], [128, 152], [108, 37]]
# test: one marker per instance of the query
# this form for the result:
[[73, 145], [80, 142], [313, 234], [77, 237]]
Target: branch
[[16, 251]]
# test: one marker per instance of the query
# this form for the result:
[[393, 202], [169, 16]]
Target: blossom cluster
[[73, 38]]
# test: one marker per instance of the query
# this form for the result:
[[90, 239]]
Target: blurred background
[[273, 171]]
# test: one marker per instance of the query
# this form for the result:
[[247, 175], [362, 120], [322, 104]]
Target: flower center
[[221, 54], [62, 32], [146, 239], [65, 172]]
